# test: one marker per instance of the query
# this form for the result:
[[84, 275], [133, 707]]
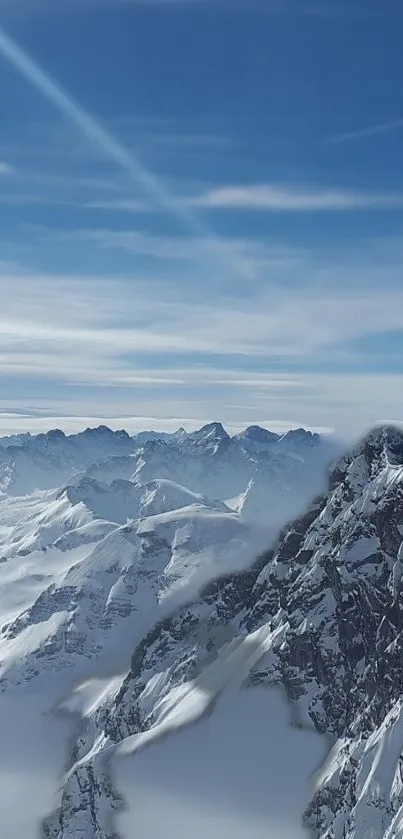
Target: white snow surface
[[98, 598]]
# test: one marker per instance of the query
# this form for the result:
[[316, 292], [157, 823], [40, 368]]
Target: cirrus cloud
[[291, 199]]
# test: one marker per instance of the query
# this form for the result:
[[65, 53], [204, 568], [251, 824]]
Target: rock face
[[320, 615]]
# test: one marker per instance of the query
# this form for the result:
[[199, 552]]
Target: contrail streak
[[366, 132], [102, 138]]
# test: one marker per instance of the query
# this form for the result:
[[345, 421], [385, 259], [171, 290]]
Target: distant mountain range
[[267, 476]]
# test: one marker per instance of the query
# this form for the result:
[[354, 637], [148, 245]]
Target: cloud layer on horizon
[[274, 357]]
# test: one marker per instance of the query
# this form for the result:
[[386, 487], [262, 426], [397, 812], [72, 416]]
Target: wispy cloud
[[96, 340], [290, 199], [6, 168], [344, 403], [369, 131], [87, 319]]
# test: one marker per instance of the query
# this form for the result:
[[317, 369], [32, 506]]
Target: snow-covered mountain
[[77, 562], [270, 483], [276, 478], [320, 614], [140, 604], [45, 461], [74, 547]]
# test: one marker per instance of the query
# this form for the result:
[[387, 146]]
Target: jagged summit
[[215, 429], [387, 439], [53, 434], [380, 447], [300, 435], [257, 434], [253, 433], [102, 430], [211, 438]]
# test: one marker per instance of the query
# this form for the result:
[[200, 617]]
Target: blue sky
[[201, 207]]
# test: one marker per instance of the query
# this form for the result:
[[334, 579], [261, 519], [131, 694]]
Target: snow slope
[[70, 603]]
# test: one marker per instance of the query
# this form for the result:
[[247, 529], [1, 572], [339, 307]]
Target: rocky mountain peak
[[257, 434], [300, 436], [212, 429]]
